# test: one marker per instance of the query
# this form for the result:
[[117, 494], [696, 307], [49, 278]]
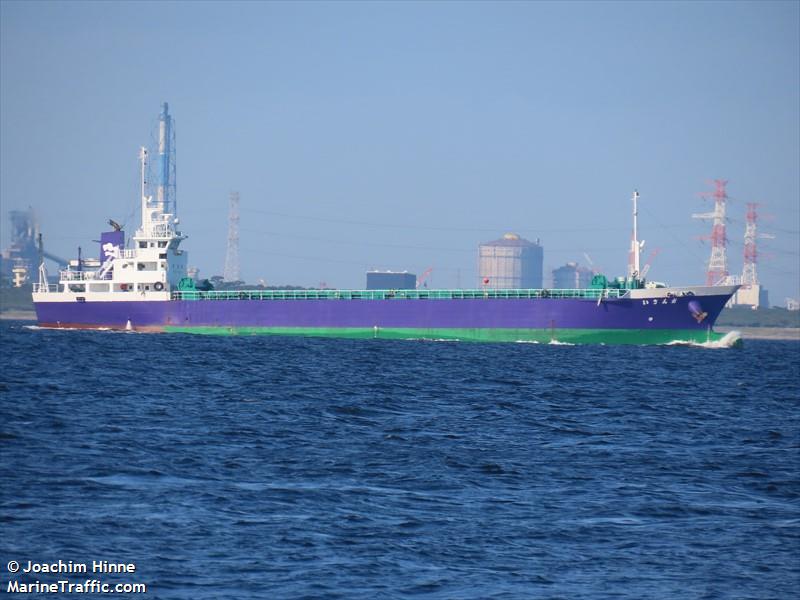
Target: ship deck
[[589, 294]]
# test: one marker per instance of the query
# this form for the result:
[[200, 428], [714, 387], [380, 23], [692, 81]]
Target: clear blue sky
[[400, 135]]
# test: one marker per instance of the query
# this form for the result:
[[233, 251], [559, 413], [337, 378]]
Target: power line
[[362, 263], [470, 250], [432, 227], [355, 243]]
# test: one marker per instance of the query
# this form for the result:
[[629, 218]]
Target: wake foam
[[103, 329], [732, 339]]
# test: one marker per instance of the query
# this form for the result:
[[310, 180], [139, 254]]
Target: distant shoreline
[[17, 315], [763, 333]]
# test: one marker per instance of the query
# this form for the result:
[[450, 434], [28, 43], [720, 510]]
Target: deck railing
[[588, 294]]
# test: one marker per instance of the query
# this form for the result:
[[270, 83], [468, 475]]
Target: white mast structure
[[43, 283], [634, 257], [145, 226]]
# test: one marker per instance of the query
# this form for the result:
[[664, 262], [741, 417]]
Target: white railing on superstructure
[[45, 287], [162, 230], [162, 226]]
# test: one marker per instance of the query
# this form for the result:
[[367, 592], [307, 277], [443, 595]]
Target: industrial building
[[19, 262], [391, 280], [753, 295], [572, 277], [512, 262]]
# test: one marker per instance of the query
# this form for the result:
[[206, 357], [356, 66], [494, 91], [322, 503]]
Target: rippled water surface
[[262, 467]]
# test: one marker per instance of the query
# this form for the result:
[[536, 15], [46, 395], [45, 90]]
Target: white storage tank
[[512, 262]]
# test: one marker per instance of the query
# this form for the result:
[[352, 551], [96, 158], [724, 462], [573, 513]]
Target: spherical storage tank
[[512, 262]]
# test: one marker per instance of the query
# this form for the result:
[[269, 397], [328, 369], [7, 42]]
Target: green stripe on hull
[[544, 336]]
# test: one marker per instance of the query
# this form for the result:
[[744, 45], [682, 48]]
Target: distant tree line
[[744, 316], [220, 284], [12, 298]]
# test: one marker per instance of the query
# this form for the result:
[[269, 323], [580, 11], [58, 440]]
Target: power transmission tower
[[717, 271], [231, 272], [749, 274]]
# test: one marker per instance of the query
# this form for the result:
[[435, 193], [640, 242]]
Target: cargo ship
[[142, 285]]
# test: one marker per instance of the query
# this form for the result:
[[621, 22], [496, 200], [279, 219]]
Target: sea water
[[272, 467]]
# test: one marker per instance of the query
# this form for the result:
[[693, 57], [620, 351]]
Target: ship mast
[[145, 198], [43, 286], [634, 261]]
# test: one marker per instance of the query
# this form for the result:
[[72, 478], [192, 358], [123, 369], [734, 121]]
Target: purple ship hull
[[533, 319]]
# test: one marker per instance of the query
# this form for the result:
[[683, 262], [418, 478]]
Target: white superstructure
[[150, 268]]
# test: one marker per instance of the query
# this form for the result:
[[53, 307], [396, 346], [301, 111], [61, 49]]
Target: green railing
[[589, 294]]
